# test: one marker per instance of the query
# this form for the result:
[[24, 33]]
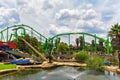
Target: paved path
[[50, 65]]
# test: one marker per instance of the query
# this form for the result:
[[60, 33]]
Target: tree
[[101, 47], [77, 41], [88, 46], [62, 47], [81, 42], [92, 45], [57, 41], [30, 39], [114, 33]]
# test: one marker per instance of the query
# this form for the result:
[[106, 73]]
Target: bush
[[30, 39], [114, 61], [62, 47], [81, 56], [95, 62]]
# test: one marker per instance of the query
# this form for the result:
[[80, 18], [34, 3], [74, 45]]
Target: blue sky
[[51, 17]]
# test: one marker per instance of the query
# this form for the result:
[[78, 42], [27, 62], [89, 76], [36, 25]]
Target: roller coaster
[[15, 31]]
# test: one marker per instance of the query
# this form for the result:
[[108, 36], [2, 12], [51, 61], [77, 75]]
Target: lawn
[[7, 66]]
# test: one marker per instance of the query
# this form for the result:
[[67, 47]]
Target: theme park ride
[[14, 32], [106, 41]]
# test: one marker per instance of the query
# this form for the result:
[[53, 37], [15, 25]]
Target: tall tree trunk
[[119, 59]]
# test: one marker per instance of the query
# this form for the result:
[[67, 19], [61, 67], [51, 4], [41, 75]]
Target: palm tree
[[114, 33], [101, 46], [92, 45], [77, 41], [81, 42]]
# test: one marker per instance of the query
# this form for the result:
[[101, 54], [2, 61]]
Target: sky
[[51, 17]]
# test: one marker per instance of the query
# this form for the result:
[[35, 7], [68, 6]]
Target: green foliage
[[90, 48], [62, 47], [7, 66], [77, 41], [30, 39], [95, 62], [114, 31], [113, 61], [81, 56]]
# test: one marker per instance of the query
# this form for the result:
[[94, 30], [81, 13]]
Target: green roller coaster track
[[83, 35], [13, 32]]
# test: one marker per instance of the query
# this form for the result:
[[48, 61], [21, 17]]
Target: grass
[[95, 62], [7, 66], [81, 56]]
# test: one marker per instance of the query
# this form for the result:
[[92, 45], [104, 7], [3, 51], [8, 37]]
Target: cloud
[[107, 16], [85, 20], [51, 17], [8, 17], [76, 14], [54, 30]]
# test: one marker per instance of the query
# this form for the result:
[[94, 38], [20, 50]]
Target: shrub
[[95, 62], [62, 47], [81, 56], [30, 39], [114, 61]]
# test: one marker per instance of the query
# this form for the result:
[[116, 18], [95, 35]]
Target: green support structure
[[48, 42], [40, 38], [2, 38], [57, 45], [24, 32], [108, 47], [68, 39], [95, 47], [16, 35], [12, 32], [83, 42], [31, 32], [94, 36], [69, 42], [9, 36]]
